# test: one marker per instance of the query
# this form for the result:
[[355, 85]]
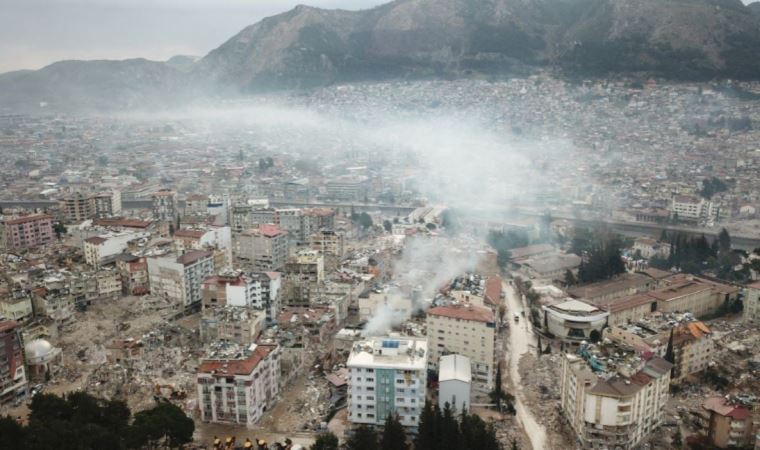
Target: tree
[[365, 220], [669, 356], [12, 434], [59, 229], [325, 441], [102, 160], [387, 225], [394, 437], [677, 439], [364, 438], [724, 240], [570, 279], [498, 395], [426, 431], [514, 445], [430, 226], [165, 423]]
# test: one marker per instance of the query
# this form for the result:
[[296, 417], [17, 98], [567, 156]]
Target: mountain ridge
[[307, 47]]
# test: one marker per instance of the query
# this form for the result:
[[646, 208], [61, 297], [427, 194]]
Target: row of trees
[[601, 262], [503, 242], [439, 429], [79, 421]]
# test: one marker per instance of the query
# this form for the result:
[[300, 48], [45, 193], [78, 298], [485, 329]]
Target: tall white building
[[179, 279], [387, 376], [611, 397]]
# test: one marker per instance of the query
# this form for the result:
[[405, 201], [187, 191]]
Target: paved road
[[521, 341]]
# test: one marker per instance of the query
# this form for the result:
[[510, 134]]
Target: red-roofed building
[[730, 425], [493, 288], [239, 390], [469, 331], [26, 232], [13, 382]]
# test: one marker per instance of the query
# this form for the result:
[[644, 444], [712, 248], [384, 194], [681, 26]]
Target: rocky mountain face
[[681, 39]]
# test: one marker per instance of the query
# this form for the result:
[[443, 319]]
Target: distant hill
[[182, 62], [94, 85], [304, 47]]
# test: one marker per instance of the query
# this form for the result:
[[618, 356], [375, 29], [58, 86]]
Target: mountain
[[182, 62], [305, 47], [94, 86], [686, 39], [755, 8]]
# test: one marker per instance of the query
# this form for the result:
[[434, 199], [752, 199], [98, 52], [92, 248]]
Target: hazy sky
[[34, 33]]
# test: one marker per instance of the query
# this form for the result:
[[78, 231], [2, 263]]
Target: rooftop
[[389, 353], [240, 366], [193, 256], [454, 367], [464, 312]]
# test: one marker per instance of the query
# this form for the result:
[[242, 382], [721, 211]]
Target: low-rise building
[[236, 324], [237, 390], [454, 382], [574, 321], [387, 376], [17, 306]]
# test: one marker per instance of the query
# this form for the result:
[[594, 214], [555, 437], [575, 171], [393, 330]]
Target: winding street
[[521, 341]]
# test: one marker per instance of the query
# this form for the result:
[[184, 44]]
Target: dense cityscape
[[266, 267]]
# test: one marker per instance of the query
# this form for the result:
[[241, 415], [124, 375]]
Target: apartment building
[[17, 306], [179, 279], [165, 205], [303, 278], [752, 302], [13, 381], [265, 247], [291, 221], [134, 274], [692, 208], [203, 238], [196, 204], [731, 423], [348, 188], [239, 390], [104, 249], [78, 207], [106, 204], [465, 330], [387, 376], [236, 324], [611, 397], [20, 233], [316, 219], [331, 245]]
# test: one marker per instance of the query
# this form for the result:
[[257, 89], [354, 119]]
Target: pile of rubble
[[540, 384]]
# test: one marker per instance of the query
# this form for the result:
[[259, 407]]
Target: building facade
[[165, 206], [465, 330], [26, 232], [613, 410], [387, 376], [179, 279], [238, 391], [13, 381]]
